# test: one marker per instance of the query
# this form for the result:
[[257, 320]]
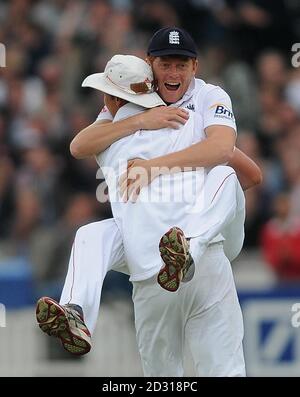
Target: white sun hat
[[127, 77]]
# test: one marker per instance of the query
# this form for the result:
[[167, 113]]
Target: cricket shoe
[[179, 264], [64, 322]]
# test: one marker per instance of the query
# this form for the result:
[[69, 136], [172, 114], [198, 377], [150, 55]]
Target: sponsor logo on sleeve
[[222, 111]]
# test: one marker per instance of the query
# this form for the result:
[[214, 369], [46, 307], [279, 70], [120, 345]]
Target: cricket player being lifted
[[163, 241]]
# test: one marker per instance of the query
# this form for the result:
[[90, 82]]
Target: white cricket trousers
[[98, 246], [203, 313], [223, 212]]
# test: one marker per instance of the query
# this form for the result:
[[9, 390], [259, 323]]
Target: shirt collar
[[127, 110]]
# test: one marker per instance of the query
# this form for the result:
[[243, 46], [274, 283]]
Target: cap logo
[[174, 37], [144, 87]]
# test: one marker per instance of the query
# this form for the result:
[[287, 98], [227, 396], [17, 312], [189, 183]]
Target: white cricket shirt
[[170, 200]]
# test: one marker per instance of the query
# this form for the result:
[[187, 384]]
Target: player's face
[[173, 76], [111, 104]]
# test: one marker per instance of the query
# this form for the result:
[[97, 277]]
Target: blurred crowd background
[[51, 46]]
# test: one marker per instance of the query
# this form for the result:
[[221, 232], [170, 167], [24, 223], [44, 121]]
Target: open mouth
[[172, 86]]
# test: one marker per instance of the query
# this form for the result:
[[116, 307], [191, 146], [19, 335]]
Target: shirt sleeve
[[104, 115], [217, 109]]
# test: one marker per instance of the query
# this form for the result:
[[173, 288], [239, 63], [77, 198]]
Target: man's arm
[[98, 136], [248, 172], [216, 149], [142, 172]]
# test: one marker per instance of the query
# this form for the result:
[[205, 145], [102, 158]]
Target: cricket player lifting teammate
[[205, 310]]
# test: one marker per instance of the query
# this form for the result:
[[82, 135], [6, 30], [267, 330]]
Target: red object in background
[[281, 248]]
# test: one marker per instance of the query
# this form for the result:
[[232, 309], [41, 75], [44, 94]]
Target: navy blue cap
[[172, 41]]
